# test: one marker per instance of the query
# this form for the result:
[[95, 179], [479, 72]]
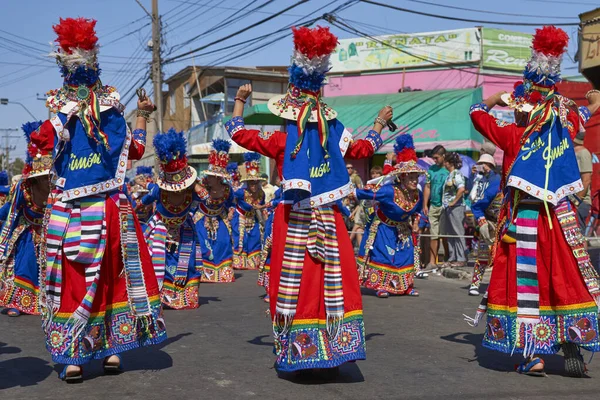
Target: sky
[[123, 28]]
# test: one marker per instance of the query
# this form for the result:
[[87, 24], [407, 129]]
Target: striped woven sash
[[156, 238], [186, 247], [570, 227], [90, 225], [528, 291], [136, 285], [313, 230]]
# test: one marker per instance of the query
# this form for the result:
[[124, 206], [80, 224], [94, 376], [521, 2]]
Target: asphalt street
[[418, 348]]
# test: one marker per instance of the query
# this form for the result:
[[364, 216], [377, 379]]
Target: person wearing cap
[[317, 307], [544, 293], [171, 234], [212, 221], [583, 199], [485, 207], [267, 188], [22, 228], [100, 296], [387, 254], [246, 227]]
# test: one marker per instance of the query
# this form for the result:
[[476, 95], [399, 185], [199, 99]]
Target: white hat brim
[[288, 113], [178, 187]]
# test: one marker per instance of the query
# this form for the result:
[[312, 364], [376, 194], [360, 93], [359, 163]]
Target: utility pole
[[156, 65], [7, 149]]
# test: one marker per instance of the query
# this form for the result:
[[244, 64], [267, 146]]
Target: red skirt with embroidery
[[307, 344], [111, 329], [568, 312]]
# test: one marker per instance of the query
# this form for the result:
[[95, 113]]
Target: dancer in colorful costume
[[21, 234], [4, 187], [247, 230], [234, 172], [212, 222], [544, 292], [171, 234], [487, 201], [317, 307], [264, 269], [143, 183], [387, 255], [101, 294]]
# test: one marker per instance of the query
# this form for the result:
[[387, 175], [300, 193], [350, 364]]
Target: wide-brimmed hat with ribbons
[[252, 165], [175, 174], [406, 157], [542, 72], [302, 101], [40, 148], [218, 159]]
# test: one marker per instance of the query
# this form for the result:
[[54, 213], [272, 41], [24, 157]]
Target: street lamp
[[6, 102]]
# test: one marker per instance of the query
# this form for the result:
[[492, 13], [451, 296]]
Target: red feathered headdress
[[314, 42], [76, 33]]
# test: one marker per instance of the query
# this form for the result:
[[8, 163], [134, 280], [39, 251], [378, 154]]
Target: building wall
[[423, 80], [180, 117]]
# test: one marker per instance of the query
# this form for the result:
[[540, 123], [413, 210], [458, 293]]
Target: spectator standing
[[268, 188], [454, 210], [354, 177], [363, 210], [432, 200], [583, 199]]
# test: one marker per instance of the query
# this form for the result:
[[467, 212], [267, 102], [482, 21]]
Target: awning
[[432, 117]]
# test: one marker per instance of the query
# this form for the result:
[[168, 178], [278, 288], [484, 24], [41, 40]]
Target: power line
[[477, 21], [222, 24], [174, 58], [485, 11]]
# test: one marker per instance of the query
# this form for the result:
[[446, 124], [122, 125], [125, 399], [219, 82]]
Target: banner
[[506, 50], [417, 50]]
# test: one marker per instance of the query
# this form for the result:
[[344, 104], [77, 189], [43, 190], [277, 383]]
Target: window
[[186, 96], [172, 103]]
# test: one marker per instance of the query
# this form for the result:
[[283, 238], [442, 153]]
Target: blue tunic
[[214, 233], [19, 270], [246, 232], [387, 253], [180, 287]]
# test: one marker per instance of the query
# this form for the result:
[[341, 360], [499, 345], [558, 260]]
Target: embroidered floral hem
[[21, 295], [222, 273], [382, 277], [181, 298], [246, 261], [308, 346], [569, 324], [106, 333]]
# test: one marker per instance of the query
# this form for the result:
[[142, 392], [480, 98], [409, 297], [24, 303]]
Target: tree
[[16, 167]]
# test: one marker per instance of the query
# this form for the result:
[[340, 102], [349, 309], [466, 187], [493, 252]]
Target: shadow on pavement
[[498, 361], [372, 335], [346, 373], [23, 371], [6, 349], [237, 275], [150, 358], [260, 341], [206, 300]]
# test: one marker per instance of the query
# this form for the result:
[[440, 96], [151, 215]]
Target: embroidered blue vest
[[546, 167], [311, 180], [84, 167]]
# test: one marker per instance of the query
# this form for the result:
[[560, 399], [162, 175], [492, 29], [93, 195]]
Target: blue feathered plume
[[249, 157], [29, 127], [221, 145], [232, 167], [143, 170], [82, 75], [298, 78], [404, 142], [3, 178], [170, 146]]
